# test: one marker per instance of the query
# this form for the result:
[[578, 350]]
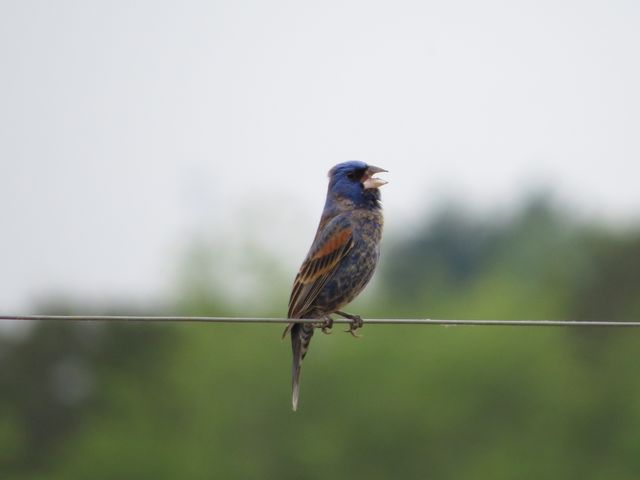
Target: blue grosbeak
[[341, 259]]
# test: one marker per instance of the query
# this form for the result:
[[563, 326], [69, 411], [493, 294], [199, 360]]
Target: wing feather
[[331, 245]]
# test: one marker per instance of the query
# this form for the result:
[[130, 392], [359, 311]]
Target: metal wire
[[370, 321]]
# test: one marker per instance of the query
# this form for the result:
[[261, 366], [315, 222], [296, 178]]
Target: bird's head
[[354, 181]]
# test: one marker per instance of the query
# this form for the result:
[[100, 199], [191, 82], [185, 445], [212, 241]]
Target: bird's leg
[[326, 325], [355, 324]]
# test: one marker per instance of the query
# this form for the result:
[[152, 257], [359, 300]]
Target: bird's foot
[[326, 325], [355, 324]]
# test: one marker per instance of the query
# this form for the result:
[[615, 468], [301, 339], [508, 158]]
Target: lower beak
[[370, 181]]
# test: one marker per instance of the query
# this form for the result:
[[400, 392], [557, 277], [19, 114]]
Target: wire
[[371, 321]]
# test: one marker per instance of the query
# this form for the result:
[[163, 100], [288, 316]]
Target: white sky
[[128, 127]]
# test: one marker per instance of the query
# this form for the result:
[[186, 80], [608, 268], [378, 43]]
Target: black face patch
[[356, 174]]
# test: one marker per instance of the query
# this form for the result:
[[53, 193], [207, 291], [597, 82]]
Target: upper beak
[[370, 181]]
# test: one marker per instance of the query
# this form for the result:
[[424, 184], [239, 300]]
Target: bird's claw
[[326, 326], [355, 323], [353, 333]]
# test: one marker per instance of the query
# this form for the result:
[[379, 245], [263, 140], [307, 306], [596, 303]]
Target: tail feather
[[301, 334]]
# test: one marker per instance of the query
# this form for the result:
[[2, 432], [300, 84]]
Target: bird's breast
[[367, 226]]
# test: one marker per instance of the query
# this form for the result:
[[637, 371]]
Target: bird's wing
[[332, 243]]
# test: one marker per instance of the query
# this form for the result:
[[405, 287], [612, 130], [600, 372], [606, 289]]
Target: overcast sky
[[128, 127]]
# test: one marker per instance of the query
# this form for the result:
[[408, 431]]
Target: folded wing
[[331, 245]]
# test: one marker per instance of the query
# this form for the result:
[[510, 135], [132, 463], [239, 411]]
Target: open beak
[[370, 181]]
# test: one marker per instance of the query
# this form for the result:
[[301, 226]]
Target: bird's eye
[[351, 175]]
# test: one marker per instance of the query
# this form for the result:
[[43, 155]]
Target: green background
[[193, 401]]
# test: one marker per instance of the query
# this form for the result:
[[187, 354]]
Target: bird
[[341, 261]]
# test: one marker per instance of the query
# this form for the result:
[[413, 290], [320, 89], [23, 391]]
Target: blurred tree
[[193, 401], [53, 377]]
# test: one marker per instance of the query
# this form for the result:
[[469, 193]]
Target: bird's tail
[[301, 334]]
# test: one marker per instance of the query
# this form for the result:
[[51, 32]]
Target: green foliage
[[213, 401]]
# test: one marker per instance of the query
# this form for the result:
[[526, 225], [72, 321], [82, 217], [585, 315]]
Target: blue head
[[354, 181]]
